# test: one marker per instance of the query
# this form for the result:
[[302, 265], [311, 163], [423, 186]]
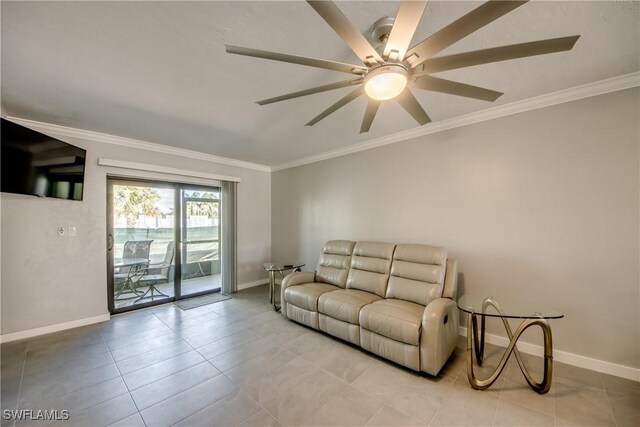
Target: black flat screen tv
[[36, 164]]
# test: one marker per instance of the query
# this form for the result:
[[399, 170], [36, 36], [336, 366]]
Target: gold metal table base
[[473, 341]]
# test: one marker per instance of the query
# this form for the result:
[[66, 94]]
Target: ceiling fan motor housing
[[380, 30]]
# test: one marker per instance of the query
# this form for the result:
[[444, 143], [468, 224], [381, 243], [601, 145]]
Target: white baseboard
[[566, 357], [30, 333], [252, 284]]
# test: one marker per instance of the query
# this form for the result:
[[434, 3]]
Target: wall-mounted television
[[36, 164]]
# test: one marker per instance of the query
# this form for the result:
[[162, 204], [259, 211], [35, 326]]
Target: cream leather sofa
[[397, 301]]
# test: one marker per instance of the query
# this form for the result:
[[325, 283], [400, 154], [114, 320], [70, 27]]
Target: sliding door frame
[[183, 230], [178, 234]]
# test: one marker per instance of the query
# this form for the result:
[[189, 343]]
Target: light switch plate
[[72, 231]]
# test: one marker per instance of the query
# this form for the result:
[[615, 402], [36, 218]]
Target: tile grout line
[[555, 418], [241, 388], [284, 392], [615, 420], [24, 363], [139, 342], [125, 384], [136, 333], [166, 376], [173, 395], [529, 409], [319, 368], [84, 388], [184, 391], [435, 414], [151, 364], [239, 391], [205, 359], [495, 412], [374, 414], [98, 383], [122, 377], [196, 349]]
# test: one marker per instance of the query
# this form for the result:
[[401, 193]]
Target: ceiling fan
[[391, 68]]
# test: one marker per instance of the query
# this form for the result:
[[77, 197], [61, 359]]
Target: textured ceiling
[[157, 71]]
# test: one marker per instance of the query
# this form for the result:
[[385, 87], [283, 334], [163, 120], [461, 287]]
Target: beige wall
[[48, 279], [541, 206]]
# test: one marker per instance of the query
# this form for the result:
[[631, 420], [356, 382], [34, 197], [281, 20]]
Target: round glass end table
[[273, 268], [477, 306]]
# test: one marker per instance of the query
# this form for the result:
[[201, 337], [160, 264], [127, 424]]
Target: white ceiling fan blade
[[310, 91], [341, 103], [496, 54], [294, 59], [369, 115], [404, 27], [461, 28], [435, 84], [346, 30], [413, 107]]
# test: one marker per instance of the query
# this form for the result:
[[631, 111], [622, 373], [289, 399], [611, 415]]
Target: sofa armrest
[[451, 280], [439, 334], [292, 279]]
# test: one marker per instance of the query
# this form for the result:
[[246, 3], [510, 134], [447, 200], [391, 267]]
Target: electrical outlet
[[61, 231], [71, 231]]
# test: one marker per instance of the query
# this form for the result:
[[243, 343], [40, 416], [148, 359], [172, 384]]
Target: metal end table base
[[272, 286], [473, 341]]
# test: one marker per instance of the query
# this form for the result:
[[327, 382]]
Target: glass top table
[[122, 277], [273, 268], [506, 307], [530, 313], [270, 266]]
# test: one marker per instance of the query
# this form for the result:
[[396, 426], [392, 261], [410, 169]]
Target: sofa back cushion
[[333, 264], [370, 266], [417, 273]]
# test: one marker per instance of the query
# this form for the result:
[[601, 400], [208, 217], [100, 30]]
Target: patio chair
[[208, 258], [153, 274], [136, 249], [133, 249]]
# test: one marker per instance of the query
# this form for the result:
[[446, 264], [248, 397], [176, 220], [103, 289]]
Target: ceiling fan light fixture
[[385, 82]]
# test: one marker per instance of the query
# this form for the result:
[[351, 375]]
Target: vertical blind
[[228, 237]]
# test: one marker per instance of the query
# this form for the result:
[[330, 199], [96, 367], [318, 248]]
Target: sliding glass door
[[163, 242], [200, 241]]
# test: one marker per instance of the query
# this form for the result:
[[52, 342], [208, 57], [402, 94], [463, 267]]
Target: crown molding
[[601, 87], [70, 132]]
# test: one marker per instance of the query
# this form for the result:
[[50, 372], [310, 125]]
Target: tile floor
[[237, 362]]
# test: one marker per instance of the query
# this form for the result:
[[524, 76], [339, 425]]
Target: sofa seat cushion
[[345, 304], [395, 319], [306, 295]]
